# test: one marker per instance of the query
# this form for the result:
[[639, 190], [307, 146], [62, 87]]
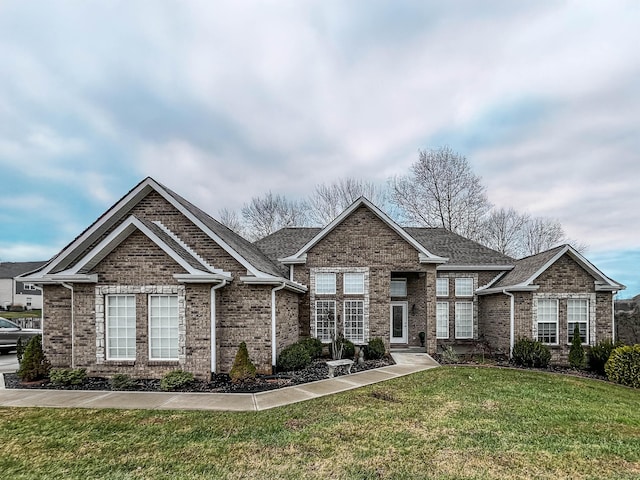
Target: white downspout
[[512, 323], [273, 324], [214, 351], [73, 337]]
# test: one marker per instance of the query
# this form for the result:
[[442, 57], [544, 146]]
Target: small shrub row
[[375, 349], [67, 376], [531, 353], [599, 354], [623, 366], [294, 357], [175, 380], [122, 381]]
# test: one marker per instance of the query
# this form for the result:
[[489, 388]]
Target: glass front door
[[399, 322]]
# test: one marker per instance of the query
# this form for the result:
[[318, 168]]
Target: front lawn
[[450, 422]]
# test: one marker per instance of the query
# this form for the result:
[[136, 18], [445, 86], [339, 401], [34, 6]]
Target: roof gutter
[[288, 284]]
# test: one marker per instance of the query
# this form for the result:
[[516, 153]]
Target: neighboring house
[[13, 291], [156, 284]]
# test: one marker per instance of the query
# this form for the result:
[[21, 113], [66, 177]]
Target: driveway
[[8, 363]]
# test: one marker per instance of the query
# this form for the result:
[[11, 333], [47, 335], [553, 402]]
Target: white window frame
[[572, 301], [442, 287], [348, 283], [29, 301], [354, 321], [108, 318], [28, 286], [330, 328], [330, 285], [442, 320], [398, 281], [541, 318], [164, 328], [468, 306], [464, 285]]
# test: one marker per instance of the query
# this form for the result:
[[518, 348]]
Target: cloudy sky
[[225, 101]]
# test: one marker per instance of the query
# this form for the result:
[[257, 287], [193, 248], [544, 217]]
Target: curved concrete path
[[407, 362]]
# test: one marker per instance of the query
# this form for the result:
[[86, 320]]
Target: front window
[[442, 287], [464, 320], [547, 321], [121, 327], [354, 321], [399, 287], [464, 287], [442, 319], [326, 283], [325, 319], [578, 313], [354, 283], [163, 327]]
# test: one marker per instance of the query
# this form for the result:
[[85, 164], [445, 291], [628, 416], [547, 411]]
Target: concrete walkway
[[407, 362]]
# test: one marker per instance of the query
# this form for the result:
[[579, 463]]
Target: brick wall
[[56, 325], [287, 332]]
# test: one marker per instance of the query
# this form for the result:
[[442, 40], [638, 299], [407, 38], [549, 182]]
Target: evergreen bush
[[531, 353], [34, 365], [175, 380], [599, 354], [122, 381], [313, 346], [576, 352], [375, 349], [20, 346], [67, 376], [348, 349], [242, 368], [623, 366], [294, 357]]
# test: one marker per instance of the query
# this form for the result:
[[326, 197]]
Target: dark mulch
[[220, 383]]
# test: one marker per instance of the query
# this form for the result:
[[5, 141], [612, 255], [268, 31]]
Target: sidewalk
[[406, 363]]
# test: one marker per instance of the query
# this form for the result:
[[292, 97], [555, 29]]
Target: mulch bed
[[220, 383]]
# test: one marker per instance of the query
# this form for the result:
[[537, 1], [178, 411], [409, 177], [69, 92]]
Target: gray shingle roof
[[441, 242], [526, 267], [13, 269], [245, 248]]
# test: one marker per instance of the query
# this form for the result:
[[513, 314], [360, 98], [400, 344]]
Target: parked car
[[10, 332]]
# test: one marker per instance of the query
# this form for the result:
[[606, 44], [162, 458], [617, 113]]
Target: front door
[[399, 322]]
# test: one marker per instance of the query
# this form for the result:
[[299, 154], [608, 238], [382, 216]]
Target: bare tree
[[265, 215], [231, 220], [329, 200], [503, 229], [441, 190], [540, 234]]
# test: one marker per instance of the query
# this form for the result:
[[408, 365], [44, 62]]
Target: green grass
[[25, 314], [451, 423]]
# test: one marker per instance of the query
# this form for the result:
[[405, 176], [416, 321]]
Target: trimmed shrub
[[67, 376], [598, 355], [242, 368], [449, 355], [576, 352], [294, 357], [623, 366], [313, 346], [348, 349], [20, 346], [122, 381], [374, 350], [175, 380], [34, 365], [531, 353]]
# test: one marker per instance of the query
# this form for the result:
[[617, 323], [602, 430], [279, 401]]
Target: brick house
[[156, 284]]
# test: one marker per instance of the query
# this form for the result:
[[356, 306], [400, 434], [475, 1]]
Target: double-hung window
[[464, 287], [354, 283], [464, 320], [442, 319], [578, 314], [326, 283], [442, 287], [163, 327], [121, 327], [325, 319], [354, 320], [547, 320]]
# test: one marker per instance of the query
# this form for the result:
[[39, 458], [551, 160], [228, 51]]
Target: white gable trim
[[602, 281], [425, 255], [116, 212]]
